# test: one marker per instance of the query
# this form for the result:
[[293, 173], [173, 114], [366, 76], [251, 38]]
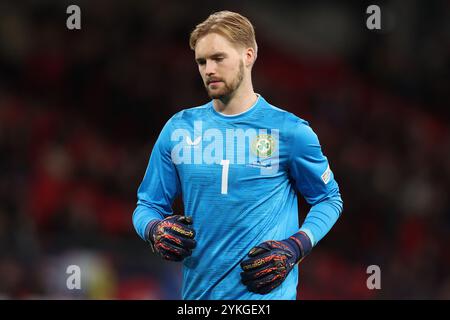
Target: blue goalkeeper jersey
[[238, 177]]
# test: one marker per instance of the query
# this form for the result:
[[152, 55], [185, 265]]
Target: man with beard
[[238, 163]]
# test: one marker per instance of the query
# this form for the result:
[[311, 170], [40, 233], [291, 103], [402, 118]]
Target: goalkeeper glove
[[172, 237], [269, 263]]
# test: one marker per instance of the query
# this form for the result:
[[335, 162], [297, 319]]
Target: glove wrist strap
[[150, 231], [302, 243]]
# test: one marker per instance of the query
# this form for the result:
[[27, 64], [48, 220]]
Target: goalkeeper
[[238, 163]]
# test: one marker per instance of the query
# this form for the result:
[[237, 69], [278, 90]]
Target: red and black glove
[[172, 237], [269, 263]]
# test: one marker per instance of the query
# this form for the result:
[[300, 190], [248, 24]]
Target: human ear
[[249, 57]]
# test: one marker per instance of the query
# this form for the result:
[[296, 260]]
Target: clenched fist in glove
[[172, 237], [269, 263]]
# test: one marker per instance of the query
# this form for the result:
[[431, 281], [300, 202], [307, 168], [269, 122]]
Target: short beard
[[229, 90]]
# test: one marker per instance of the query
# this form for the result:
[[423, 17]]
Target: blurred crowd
[[80, 111]]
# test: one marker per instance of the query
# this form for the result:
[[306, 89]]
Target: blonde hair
[[233, 26]]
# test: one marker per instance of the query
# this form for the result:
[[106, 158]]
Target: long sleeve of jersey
[[159, 187], [315, 181]]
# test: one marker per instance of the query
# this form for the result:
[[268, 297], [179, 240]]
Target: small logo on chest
[[263, 145]]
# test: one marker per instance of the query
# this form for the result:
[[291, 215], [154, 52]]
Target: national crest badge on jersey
[[263, 145]]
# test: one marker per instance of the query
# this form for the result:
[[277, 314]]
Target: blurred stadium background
[[80, 111]]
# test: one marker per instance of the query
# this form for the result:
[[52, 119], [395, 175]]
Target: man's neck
[[241, 101]]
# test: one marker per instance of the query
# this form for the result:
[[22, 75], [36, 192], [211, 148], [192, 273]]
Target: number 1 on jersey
[[225, 165]]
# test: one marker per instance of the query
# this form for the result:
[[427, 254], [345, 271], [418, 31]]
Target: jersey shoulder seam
[[180, 113]]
